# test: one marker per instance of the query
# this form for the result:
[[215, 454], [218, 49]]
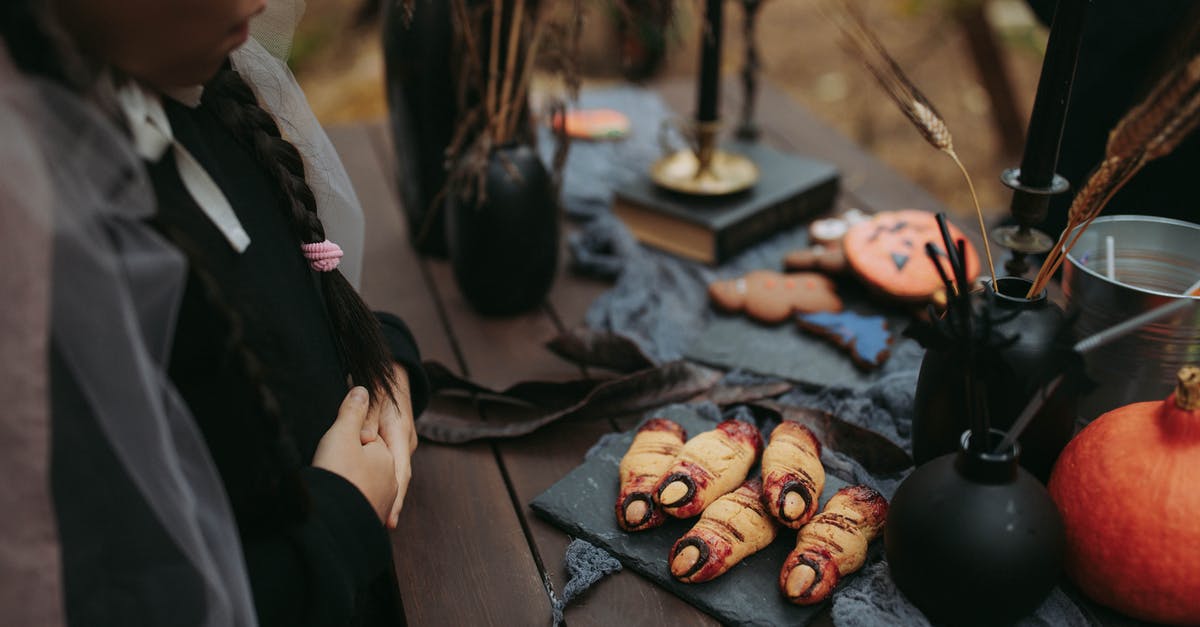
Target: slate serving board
[[735, 342], [582, 504]]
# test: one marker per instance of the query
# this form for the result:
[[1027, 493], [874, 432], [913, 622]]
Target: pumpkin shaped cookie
[[770, 297], [887, 253]]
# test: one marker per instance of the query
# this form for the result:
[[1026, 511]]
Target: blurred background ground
[[340, 66]]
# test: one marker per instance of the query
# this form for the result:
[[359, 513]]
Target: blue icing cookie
[[865, 338]]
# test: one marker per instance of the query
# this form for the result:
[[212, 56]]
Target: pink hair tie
[[322, 256]]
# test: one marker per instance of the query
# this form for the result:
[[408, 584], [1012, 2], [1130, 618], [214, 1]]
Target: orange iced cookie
[[888, 253]]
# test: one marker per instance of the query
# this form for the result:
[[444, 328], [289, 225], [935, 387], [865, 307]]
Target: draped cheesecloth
[[30, 581], [83, 271], [69, 178], [261, 63]]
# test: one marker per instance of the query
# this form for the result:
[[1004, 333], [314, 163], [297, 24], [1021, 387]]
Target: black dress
[[1126, 46], [255, 362]]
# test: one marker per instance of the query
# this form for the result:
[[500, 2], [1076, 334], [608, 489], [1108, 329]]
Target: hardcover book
[[790, 189]]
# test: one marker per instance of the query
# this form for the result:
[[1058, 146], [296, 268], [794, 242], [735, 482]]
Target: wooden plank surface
[[537, 461], [485, 558], [460, 552], [498, 352]]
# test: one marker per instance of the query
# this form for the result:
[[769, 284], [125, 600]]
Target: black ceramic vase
[[1015, 371], [973, 538], [422, 111], [504, 250]]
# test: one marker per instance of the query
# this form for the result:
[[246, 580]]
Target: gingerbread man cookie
[[771, 297], [825, 254], [828, 258], [888, 253]]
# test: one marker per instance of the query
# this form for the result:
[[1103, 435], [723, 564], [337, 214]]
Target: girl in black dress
[[268, 336]]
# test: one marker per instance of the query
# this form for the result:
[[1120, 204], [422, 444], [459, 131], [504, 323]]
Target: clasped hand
[[371, 446]]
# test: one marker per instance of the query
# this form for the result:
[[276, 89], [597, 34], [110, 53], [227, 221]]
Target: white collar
[[186, 96], [152, 137]]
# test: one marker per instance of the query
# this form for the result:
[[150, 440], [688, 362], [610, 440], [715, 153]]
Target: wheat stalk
[[510, 124], [493, 62], [864, 44], [1142, 122], [1151, 129], [510, 66]]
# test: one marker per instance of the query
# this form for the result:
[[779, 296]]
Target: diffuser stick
[[931, 252], [951, 249], [1084, 346], [1121, 329], [1027, 414], [1110, 258]]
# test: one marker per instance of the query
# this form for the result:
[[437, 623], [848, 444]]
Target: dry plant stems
[[493, 93], [494, 59], [864, 44], [1148, 131], [506, 102], [511, 115]]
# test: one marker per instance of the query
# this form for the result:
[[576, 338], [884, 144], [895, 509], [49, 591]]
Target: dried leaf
[[527, 407], [877, 454], [600, 349], [725, 395]]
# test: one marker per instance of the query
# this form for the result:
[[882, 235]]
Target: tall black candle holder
[[1036, 181]]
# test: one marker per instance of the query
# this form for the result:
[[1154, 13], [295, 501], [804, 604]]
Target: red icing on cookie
[[743, 432], [662, 424]]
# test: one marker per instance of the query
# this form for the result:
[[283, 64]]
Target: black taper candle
[[708, 100], [1049, 112]]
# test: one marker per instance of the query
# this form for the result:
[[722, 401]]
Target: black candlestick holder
[[1028, 208], [1035, 181]]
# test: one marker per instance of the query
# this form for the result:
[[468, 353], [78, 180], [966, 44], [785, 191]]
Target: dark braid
[[357, 335], [38, 46], [276, 470]]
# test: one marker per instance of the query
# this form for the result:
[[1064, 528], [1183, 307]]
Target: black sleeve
[[407, 354], [312, 573], [327, 569]]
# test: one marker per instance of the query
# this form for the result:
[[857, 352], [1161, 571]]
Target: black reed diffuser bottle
[[1020, 344], [1024, 342], [974, 539]]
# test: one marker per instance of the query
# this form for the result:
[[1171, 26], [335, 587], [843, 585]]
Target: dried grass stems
[[861, 42], [493, 85], [1148, 131]]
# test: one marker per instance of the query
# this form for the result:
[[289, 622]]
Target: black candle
[[708, 105], [1050, 107]]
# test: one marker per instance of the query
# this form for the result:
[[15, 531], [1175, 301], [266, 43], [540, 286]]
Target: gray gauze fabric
[[586, 564], [661, 302]]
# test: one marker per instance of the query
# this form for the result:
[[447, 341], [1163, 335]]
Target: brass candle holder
[[704, 169]]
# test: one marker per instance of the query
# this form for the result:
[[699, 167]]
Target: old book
[[711, 230]]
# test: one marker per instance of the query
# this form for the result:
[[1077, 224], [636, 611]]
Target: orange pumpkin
[[888, 253], [1126, 488]]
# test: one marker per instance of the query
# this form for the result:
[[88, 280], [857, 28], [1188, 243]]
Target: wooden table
[[469, 551]]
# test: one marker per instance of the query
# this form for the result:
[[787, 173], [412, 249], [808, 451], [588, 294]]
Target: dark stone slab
[[735, 342], [582, 504]]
